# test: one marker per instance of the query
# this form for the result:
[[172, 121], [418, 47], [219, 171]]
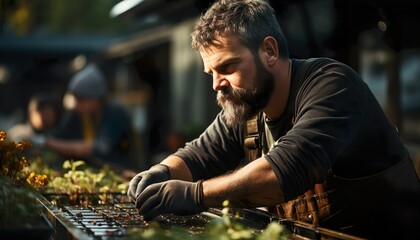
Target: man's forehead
[[223, 47], [221, 40]]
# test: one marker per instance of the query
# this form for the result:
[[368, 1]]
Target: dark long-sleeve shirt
[[338, 125]]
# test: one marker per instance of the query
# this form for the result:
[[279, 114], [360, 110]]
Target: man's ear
[[270, 51]]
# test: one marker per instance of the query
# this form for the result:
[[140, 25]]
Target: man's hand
[[156, 174], [174, 196]]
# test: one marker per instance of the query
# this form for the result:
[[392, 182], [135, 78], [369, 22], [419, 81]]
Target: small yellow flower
[[19, 146], [30, 178], [37, 180], [41, 179], [3, 136], [25, 144]]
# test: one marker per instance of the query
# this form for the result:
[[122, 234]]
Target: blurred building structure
[[157, 75]]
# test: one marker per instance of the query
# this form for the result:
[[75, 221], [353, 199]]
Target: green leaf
[[67, 164], [78, 163]]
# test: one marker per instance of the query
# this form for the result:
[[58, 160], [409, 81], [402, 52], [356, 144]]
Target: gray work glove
[[173, 196], [156, 174]]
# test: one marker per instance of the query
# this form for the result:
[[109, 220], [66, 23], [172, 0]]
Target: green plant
[[227, 227], [18, 185], [82, 182]]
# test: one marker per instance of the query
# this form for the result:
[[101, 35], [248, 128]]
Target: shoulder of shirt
[[317, 62], [318, 65]]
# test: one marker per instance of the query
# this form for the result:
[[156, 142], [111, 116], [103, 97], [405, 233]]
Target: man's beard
[[239, 105]]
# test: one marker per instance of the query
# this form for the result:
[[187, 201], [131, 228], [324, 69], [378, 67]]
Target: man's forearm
[[178, 168], [255, 183]]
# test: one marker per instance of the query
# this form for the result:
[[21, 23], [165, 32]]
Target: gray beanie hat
[[88, 82]]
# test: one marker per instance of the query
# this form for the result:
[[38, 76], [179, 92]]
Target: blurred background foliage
[[23, 17]]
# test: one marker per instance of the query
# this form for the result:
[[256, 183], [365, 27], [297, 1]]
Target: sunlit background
[[143, 47]]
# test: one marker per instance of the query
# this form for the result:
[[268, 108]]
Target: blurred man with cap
[[96, 130]]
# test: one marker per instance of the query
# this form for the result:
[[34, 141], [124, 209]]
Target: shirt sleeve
[[217, 150], [329, 111]]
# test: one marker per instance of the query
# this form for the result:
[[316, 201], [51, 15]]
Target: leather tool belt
[[348, 202]]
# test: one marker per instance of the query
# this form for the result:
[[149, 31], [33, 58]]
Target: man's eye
[[227, 68]]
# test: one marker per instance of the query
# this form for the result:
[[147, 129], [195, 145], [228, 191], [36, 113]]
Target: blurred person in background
[[43, 115], [98, 130], [306, 138]]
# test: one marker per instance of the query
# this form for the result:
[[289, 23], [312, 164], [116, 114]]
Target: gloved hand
[[38, 140], [173, 196], [155, 174]]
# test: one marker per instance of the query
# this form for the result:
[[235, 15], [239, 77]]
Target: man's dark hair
[[249, 20]]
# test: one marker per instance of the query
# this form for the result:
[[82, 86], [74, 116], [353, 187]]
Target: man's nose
[[219, 82]]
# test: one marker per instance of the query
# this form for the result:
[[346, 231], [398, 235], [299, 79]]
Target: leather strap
[[253, 144]]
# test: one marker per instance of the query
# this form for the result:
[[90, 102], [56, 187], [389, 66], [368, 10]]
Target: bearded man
[[321, 149]]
